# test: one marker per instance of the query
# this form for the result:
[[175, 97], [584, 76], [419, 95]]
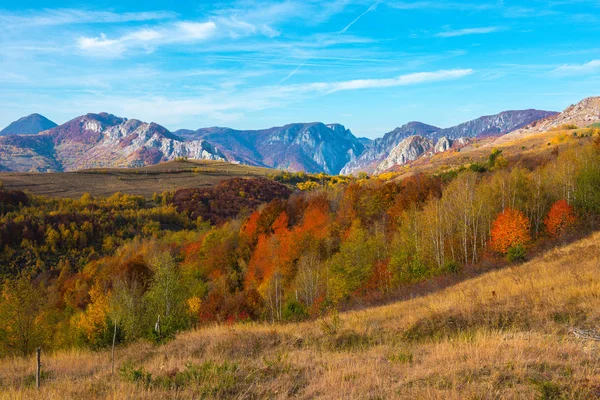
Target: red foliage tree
[[560, 218], [509, 229]]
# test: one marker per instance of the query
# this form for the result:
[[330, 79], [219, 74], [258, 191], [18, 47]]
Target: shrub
[[516, 253], [294, 311]]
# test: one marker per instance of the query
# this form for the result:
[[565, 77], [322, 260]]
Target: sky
[[250, 64]]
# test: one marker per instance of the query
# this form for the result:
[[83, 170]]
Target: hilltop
[[29, 125], [504, 334]]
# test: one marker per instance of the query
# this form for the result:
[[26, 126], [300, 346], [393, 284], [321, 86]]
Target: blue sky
[[251, 64]]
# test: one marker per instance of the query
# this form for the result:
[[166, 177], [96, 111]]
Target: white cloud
[[576, 69], [402, 80], [468, 31], [228, 105], [179, 32]]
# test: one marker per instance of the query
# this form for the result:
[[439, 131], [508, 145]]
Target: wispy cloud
[[402, 80], [467, 31], [578, 69], [54, 17], [179, 32]]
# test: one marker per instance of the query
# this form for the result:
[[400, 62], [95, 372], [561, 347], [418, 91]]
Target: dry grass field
[[502, 335], [136, 181]]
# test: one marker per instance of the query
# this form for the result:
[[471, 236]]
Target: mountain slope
[[310, 147], [490, 125], [493, 125], [582, 114], [29, 125], [99, 140], [380, 148]]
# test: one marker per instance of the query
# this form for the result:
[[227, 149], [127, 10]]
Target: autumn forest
[[82, 272]]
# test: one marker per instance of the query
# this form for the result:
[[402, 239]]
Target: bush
[[452, 267], [294, 311], [516, 253]]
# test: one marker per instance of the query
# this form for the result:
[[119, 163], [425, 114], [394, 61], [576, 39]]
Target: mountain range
[[98, 140], [34, 143]]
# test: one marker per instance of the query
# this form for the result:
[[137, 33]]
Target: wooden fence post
[[113, 348], [39, 368]]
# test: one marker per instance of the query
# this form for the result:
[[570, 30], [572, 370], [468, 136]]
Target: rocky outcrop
[[380, 148], [443, 144], [408, 150]]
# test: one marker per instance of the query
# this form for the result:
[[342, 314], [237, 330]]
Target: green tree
[[166, 296]]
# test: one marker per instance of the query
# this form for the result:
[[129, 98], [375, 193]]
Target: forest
[[77, 272]]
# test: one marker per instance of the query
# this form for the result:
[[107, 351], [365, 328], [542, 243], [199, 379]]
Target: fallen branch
[[582, 334]]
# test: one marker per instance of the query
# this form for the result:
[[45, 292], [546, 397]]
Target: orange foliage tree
[[509, 229], [560, 218]]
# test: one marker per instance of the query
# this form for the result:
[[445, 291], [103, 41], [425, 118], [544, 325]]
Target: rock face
[[29, 125], [380, 148], [310, 147], [582, 114], [408, 150], [99, 140], [491, 125], [443, 144]]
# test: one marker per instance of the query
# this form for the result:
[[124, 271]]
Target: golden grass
[[503, 335]]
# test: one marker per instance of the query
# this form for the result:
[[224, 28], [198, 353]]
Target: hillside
[[580, 115], [504, 334], [29, 125], [143, 181]]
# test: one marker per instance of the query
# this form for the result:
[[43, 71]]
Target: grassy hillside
[[135, 181], [529, 149], [504, 334]]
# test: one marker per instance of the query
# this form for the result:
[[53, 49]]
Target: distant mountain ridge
[[493, 125], [29, 125], [582, 115], [105, 140], [310, 147]]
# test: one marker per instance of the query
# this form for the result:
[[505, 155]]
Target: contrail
[[339, 33], [293, 72], [359, 17]]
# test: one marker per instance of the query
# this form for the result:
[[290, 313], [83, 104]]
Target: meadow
[[504, 334]]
